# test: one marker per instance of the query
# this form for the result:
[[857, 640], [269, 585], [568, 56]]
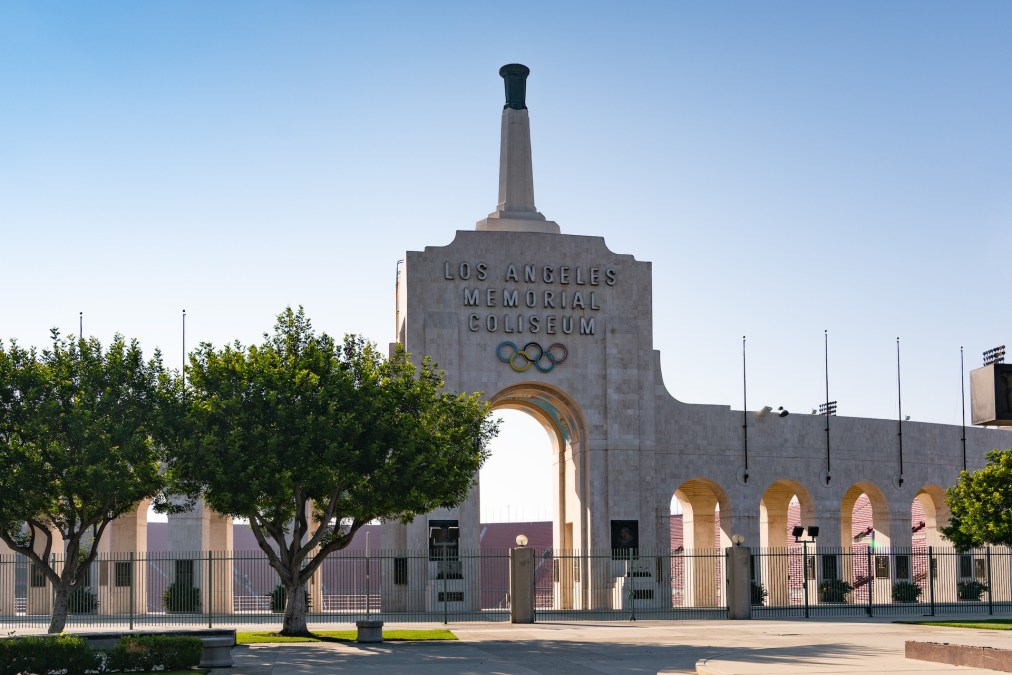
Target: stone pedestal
[[369, 631], [522, 585], [739, 592]]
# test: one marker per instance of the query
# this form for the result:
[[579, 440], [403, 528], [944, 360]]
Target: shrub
[[834, 590], [82, 601], [905, 591], [970, 589], [759, 593], [146, 652], [48, 654], [181, 598], [279, 596]]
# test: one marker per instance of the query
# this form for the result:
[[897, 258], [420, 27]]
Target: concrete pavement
[[628, 648]]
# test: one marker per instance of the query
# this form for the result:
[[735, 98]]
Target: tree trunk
[[61, 605], [295, 610]]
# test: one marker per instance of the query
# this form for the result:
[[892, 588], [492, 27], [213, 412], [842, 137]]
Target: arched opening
[[516, 483], [865, 534], [784, 504], [696, 573], [928, 514], [703, 502], [560, 418], [558, 415], [779, 579]]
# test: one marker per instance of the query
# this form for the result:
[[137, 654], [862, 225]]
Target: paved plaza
[[627, 648]]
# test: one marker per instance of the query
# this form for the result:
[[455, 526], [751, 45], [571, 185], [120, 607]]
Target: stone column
[[7, 592], [191, 536], [739, 593], [701, 552], [774, 572], [221, 544], [900, 545], [522, 585], [126, 535], [40, 591]]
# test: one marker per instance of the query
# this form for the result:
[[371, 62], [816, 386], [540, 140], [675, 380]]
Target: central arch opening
[[517, 480], [535, 465]]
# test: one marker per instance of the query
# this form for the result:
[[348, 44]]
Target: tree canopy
[[77, 449], [311, 439], [981, 504]]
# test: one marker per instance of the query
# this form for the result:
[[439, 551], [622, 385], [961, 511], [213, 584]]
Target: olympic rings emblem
[[522, 359]]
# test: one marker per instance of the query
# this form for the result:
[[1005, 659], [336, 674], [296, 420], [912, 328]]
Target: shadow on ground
[[517, 657]]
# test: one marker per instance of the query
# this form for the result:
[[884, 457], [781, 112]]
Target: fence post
[[446, 610], [210, 589], [632, 586], [804, 574], [871, 580], [522, 585], [739, 586], [931, 579], [133, 575], [368, 589], [990, 593]]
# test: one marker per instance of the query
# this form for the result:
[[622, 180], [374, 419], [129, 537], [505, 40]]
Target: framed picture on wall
[[625, 539]]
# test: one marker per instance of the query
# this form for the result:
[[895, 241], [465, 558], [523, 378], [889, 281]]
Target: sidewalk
[[868, 647]]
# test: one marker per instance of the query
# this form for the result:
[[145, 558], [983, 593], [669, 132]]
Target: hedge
[[70, 654]]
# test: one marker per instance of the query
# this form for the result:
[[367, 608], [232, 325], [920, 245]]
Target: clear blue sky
[[787, 167]]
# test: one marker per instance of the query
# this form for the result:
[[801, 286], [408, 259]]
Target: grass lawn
[[244, 638], [981, 624]]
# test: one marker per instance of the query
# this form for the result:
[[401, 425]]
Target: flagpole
[[899, 400], [744, 406], [962, 396], [829, 467]]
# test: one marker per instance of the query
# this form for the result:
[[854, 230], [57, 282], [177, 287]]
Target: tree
[[310, 440], [981, 504], [77, 450]]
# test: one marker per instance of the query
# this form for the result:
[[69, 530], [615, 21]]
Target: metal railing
[[218, 588], [803, 580], [584, 585]]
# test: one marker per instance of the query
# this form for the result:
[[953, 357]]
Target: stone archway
[[775, 570], [706, 510], [563, 422], [706, 521], [931, 499], [879, 523], [866, 527], [773, 508]]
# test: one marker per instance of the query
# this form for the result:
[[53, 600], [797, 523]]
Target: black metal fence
[[216, 588], [586, 585], [804, 581]]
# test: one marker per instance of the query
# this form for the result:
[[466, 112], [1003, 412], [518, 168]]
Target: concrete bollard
[[739, 587], [369, 631], [522, 585]]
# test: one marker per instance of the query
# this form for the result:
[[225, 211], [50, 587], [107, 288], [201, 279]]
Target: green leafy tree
[[311, 439], [77, 450], [981, 504]]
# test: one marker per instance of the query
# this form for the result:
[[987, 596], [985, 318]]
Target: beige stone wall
[[624, 444]]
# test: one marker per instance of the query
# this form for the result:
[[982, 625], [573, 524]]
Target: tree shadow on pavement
[[506, 657]]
